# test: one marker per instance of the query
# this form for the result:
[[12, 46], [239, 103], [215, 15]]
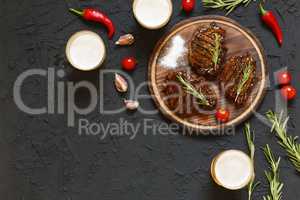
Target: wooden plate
[[239, 40]]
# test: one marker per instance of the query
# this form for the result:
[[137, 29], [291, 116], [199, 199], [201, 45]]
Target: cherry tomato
[[188, 5], [284, 78], [288, 92], [222, 115], [129, 63]]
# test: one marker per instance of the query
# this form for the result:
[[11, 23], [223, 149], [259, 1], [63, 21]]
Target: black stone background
[[43, 159]]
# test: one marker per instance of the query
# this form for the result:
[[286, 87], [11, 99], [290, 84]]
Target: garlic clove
[[124, 40], [120, 83], [131, 104]]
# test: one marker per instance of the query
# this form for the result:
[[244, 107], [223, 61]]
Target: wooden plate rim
[[197, 127]]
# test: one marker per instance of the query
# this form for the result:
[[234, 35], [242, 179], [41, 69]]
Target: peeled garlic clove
[[124, 40], [131, 104], [120, 83]]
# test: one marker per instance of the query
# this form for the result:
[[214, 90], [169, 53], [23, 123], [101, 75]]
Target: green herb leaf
[[228, 5], [250, 140], [275, 185], [246, 75], [189, 88], [289, 143], [217, 49]]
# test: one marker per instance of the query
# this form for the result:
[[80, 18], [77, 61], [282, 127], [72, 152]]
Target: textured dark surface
[[43, 159]]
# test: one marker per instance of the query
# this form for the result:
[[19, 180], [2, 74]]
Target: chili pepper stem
[[76, 11], [262, 10]]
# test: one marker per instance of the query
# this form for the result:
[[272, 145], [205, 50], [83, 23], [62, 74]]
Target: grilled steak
[[239, 76], [186, 93], [231, 70], [207, 51]]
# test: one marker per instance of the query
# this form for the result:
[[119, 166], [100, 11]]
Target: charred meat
[[231, 70], [239, 76], [207, 51], [186, 93]]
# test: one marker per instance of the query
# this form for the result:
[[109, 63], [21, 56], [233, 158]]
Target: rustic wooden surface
[[238, 41]]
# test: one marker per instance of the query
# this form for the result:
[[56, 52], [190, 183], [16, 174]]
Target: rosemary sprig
[[250, 140], [273, 176], [245, 78], [191, 90], [228, 5], [216, 50], [287, 142]]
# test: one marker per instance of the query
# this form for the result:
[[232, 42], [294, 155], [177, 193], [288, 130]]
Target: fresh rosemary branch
[[216, 50], [250, 140], [273, 176], [191, 90], [228, 5], [245, 78], [287, 142]]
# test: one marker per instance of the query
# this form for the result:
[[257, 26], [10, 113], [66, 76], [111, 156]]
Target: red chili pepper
[[188, 5], [94, 15], [270, 20]]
